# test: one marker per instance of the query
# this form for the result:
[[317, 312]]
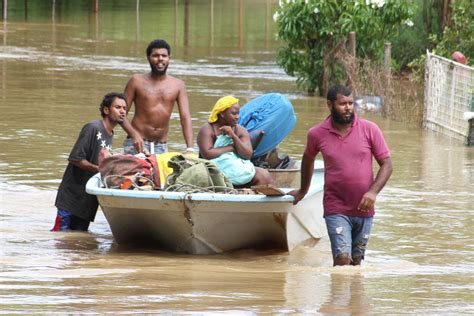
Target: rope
[[189, 188], [178, 187]]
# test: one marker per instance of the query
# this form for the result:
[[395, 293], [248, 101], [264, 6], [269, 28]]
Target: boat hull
[[204, 223]]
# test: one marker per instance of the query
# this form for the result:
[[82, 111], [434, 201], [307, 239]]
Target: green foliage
[[457, 37], [411, 42], [460, 35], [316, 30]]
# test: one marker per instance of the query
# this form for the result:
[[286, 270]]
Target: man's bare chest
[[155, 92]]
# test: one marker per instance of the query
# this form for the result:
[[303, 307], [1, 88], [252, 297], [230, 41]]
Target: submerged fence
[[449, 97]]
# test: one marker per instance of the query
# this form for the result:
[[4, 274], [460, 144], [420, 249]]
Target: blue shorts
[[348, 234], [150, 146], [65, 220]]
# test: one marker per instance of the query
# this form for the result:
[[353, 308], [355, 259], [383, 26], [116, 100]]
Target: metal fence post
[[5, 9], [387, 62], [470, 135]]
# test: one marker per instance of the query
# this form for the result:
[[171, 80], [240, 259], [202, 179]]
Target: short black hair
[[158, 43], [337, 89], [108, 99]]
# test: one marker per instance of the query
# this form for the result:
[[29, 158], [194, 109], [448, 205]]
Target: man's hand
[[367, 202], [298, 195], [138, 143]]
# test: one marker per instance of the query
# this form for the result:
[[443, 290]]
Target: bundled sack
[[129, 172], [162, 163], [272, 115], [196, 172]]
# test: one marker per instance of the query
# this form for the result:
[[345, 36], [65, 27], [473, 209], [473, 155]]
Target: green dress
[[239, 171]]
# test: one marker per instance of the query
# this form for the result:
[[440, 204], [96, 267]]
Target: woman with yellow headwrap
[[227, 144]]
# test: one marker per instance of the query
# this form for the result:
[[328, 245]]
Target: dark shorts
[[348, 234], [66, 221]]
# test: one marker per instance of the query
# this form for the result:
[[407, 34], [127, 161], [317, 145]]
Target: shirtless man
[[154, 95]]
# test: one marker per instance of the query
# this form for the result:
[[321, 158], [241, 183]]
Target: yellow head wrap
[[221, 105]]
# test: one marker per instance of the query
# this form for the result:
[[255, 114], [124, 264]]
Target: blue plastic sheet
[[271, 113]]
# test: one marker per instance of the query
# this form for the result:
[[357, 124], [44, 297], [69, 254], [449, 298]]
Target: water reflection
[[315, 286], [445, 167], [347, 296], [77, 243], [4, 33]]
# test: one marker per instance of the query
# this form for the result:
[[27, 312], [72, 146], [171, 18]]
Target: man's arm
[[185, 115], [84, 145], [307, 169], [129, 92], [85, 165], [368, 199]]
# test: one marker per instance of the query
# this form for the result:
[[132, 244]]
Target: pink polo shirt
[[347, 163]]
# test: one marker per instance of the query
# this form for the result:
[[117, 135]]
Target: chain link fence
[[449, 97]]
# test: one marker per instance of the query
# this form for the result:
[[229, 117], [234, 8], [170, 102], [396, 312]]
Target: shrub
[[455, 37], [459, 35], [316, 30]]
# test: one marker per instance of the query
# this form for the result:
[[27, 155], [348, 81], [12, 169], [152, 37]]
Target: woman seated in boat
[[228, 145]]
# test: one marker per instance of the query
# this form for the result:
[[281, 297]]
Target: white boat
[[208, 223]]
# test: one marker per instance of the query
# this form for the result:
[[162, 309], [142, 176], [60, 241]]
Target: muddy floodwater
[[57, 60]]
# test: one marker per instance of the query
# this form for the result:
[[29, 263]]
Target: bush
[[459, 36], [411, 42], [456, 37], [316, 30]]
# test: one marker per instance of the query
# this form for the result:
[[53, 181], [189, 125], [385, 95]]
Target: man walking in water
[[347, 144], [154, 95], [76, 208]]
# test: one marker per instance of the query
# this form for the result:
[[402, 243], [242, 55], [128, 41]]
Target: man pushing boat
[[75, 208]]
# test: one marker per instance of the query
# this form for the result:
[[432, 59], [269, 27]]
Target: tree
[[458, 36], [316, 30], [455, 37]]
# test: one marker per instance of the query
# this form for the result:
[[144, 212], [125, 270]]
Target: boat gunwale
[[93, 187]]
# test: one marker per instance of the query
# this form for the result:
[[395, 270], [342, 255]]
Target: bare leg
[[262, 176]]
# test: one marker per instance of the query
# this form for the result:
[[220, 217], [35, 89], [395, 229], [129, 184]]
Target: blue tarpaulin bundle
[[271, 113]]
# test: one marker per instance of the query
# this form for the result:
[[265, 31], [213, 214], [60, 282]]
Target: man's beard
[[339, 119], [158, 72], [118, 121]]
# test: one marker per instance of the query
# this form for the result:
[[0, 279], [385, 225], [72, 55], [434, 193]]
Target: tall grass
[[402, 96]]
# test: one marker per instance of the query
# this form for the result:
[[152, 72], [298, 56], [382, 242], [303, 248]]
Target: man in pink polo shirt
[[347, 144]]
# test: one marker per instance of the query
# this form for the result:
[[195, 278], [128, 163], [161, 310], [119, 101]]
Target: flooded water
[[57, 60]]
